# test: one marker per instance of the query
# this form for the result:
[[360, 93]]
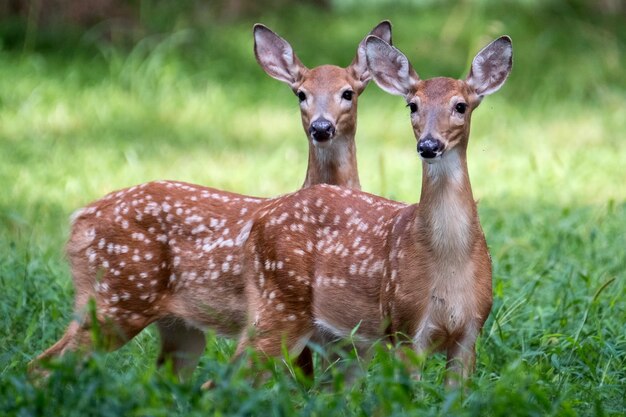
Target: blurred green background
[[97, 95]]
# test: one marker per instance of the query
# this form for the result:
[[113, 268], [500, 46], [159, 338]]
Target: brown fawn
[[326, 260], [328, 104], [170, 252]]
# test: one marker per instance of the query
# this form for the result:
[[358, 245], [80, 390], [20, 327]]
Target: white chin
[[431, 160], [323, 144]]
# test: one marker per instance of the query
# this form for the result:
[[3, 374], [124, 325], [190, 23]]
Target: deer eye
[[347, 95], [301, 96], [412, 107], [460, 107]]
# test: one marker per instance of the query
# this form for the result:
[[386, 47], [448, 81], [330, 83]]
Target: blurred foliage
[[582, 38]]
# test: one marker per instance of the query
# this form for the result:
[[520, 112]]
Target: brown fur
[[326, 260], [171, 253]]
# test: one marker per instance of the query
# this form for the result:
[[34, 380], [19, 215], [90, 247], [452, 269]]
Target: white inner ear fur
[[359, 64], [276, 57], [490, 68], [390, 69]]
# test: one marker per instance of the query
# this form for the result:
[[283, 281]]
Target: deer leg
[[305, 362], [113, 331], [79, 337], [181, 344], [421, 347], [336, 351], [269, 336], [461, 358], [270, 345], [407, 357], [76, 337], [357, 368]]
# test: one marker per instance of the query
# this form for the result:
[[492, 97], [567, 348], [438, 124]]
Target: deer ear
[[491, 67], [389, 68], [359, 63], [276, 57]]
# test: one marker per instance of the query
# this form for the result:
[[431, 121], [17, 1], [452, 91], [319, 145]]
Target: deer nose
[[321, 130], [429, 147]]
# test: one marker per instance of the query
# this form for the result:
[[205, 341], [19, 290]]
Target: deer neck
[[333, 164], [447, 210]]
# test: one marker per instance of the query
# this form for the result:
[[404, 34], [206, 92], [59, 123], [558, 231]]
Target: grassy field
[[185, 100]]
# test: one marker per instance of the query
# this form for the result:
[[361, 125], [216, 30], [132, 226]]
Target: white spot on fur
[[244, 233]]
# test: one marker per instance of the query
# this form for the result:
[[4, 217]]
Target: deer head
[[441, 108], [328, 93]]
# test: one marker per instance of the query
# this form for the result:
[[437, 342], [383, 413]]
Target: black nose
[[321, 130], [429, 147]]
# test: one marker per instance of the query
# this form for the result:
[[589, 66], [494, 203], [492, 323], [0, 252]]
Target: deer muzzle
[[321, 130], [429, 148]]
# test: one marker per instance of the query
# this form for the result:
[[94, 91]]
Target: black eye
[[301, 96], [460, 107], [347, 95], [413, 107]]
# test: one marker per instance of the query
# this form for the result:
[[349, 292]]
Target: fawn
[[328, 104], [170, 252], [325, 260]]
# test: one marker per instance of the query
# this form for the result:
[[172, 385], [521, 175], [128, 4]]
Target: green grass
[[186, 100]]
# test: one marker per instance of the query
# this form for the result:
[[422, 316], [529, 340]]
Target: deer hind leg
[[114, 321], [337, 353], [80, 337], [275, 320], [181, 344], [269, 337], [305, 362], [271, 329], [293, 337], [104, 328], [75, 338]]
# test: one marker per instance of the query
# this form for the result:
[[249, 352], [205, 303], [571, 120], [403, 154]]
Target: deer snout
[[321, 130], [428, 147]]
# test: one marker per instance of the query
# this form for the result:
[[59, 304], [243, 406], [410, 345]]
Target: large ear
[[491, 67], [276, 57], [359, 63], [389, 68]]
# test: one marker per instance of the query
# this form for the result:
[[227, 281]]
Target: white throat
[[333, 157], [333, 162], [447, 168], [449, 212], [336, 149]]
